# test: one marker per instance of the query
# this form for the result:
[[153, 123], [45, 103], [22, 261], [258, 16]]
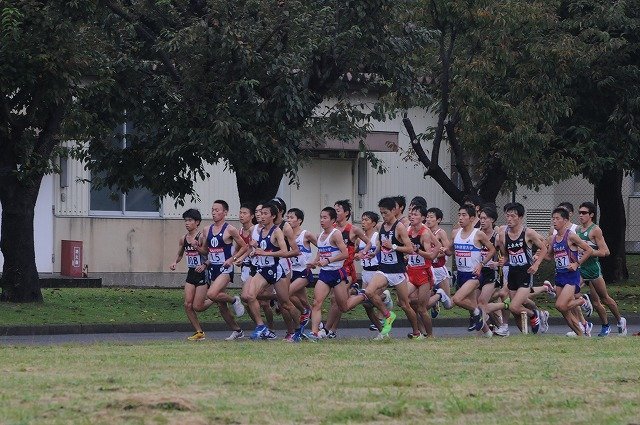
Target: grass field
[[523, 379], [118, 305]]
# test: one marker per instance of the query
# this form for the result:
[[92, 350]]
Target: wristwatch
[[394, 247]]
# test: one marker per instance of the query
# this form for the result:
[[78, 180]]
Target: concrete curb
[[62, 329]]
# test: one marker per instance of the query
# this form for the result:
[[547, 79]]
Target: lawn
[[523, 379]]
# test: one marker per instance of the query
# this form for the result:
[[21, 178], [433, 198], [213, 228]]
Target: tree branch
[[463, 170]]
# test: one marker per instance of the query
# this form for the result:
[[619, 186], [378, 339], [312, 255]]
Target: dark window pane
[[141, 200], [105, 200]]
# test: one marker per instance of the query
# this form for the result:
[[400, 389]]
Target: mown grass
[[523, 379], [125, 305]]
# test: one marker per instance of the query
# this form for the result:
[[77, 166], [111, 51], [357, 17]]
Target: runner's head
[[513, 213], [387, 209], [488, 217], [219, 210], [560, 218], [466, 214], [295, 217], [587, 212], [246, 214], [473, 200], [434, 217], [369, 220], [257, 218], [343, 209], [567, 206], [418, 215], [328, 218], [192, 218], [269, 213], [401, 204], [416, 201]]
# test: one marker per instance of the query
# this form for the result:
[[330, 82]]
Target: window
[[136, 202]]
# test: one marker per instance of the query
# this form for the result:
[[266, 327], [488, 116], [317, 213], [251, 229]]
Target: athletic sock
[[476, 311]]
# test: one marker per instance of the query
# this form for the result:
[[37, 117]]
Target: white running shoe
[[388, 301], [322, 333], [571, 334], [238, 307], [587, 307], [622, 327], [444, 298], [587, 329], [502, 330], [544, 321], [381, 336], [551, 291], [235, 335]]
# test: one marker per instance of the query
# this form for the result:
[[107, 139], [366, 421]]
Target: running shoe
[[534, 322], [388, 301], [235, 335], [571, 334], [322, 333], [198, 336], [410, 335], [507, 303], [257, 332], [435, 310], [605, 331], [479, 320], [487, 334], [445, 299], [304, 318], [502, 330], [381, 336], [587, 307], [291, 338], [544, 321], [238, 307], [622, 327], [310, 336], [331, 335], [472, 323], [587, 329], [388, 323], [373, 328], [268, 334]]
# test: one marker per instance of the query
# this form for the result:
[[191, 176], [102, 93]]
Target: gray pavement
[[351, 333]]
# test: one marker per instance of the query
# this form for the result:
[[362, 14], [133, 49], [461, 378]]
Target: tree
[[51, 61], [242, 83], [602, 130], [496, 88]]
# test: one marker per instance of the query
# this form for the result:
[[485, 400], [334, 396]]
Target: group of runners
[[495, 266]]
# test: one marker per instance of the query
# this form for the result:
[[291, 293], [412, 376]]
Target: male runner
[[592, 273], [439, 267], [195, 287]]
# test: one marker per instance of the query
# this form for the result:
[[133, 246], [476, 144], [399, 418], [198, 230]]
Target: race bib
[[416, 260], [518, 258], [388, 257], [216, 255], [193, 260], [562, 260]]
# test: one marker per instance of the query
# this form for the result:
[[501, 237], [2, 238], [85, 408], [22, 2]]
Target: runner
[[420, 276], [301, 274], [564, 252], [592, 273], [467, 245], [332, 251], [271, 245], [394, 244], [516, 247], [219, 245], [401, 204], [441, 273], [195, 287]]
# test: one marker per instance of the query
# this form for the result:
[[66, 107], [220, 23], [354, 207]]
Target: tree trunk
[[613, 223], [253, 191], [20, 282]]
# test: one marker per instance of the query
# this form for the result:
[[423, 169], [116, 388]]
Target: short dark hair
[[422, 209], [298, 213], [346, 206], [193, 214], [469, 209], [333, 215], [418, 200], [273, 207], [248, 206], [375, 217], [224, 204], [401, 201], [490, 212], [591, 207], [279, 203], [566, 205], [564, 213], [387, 203], [437, 212], [515, 206]]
